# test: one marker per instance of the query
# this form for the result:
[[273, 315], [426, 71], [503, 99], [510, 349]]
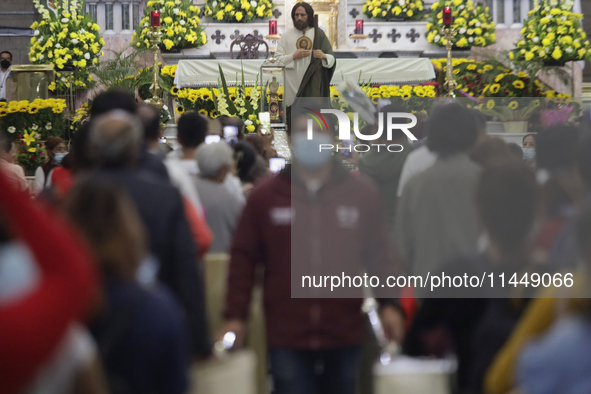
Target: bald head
[[115, 139]]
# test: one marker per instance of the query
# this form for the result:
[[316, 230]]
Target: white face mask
[[58, 157], [529, 153], [308, 153]]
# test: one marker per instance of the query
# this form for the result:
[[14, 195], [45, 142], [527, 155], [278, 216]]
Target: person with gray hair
[[115, 139], [115, 143], [222, 208]]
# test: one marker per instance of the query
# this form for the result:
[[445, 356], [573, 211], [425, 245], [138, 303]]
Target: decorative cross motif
[[354, 13], [277, 13], [394, 36], [236, 35], [218, 37], [257, 35], [413, 35], [375, 36]]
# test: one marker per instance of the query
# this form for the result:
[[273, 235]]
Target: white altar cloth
[[203, 73]]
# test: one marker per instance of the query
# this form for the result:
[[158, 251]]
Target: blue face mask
[[58, 157], [529, 153], [308, 153]]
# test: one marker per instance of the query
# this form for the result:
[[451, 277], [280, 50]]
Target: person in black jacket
[[117, 99], [115, 142]]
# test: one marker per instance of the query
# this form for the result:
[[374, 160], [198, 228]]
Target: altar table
[[204, 73]]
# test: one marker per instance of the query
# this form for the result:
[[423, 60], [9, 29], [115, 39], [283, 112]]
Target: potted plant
[[514, 113]]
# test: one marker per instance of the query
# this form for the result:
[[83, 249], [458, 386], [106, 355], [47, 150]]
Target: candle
[[272, 27], [447, 16], [358, 26], [155, 18]]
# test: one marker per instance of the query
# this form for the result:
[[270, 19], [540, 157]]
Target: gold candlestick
[[450, 83], [155, 37], [357, 38], [273, 38]]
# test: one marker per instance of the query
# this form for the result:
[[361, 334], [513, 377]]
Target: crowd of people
[[101, 273]]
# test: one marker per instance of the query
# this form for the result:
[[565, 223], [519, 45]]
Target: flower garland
[[66, 39], [390, 9], [179, 23], [473, 24], [552, 32], [242, 11]]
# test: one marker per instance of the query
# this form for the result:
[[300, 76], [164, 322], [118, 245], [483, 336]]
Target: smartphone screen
[[231, 134], [265, 121], [276, 164], [212, 139]]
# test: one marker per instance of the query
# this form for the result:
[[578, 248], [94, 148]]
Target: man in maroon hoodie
[[305, 220]]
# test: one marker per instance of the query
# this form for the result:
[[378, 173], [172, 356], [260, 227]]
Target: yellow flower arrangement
[[242, 11], [480, 79], [179, 23], [45, 117], [552, 34], [393, 9], [473, 24], [66, 39]]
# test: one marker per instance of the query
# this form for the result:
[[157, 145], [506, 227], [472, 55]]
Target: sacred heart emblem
[[304, 43]]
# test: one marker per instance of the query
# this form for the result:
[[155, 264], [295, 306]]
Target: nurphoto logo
[[345, 129]]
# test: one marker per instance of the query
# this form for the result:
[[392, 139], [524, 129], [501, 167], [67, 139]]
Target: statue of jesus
[[307, 72]]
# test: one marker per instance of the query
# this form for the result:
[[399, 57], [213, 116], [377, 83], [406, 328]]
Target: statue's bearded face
[[301, 19]]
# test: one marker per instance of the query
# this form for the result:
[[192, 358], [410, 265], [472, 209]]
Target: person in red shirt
[[32, 325]]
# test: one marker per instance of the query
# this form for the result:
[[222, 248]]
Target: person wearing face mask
[[56, 150], [295, 221], [308, 57], [7, 88], [528, 146]]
